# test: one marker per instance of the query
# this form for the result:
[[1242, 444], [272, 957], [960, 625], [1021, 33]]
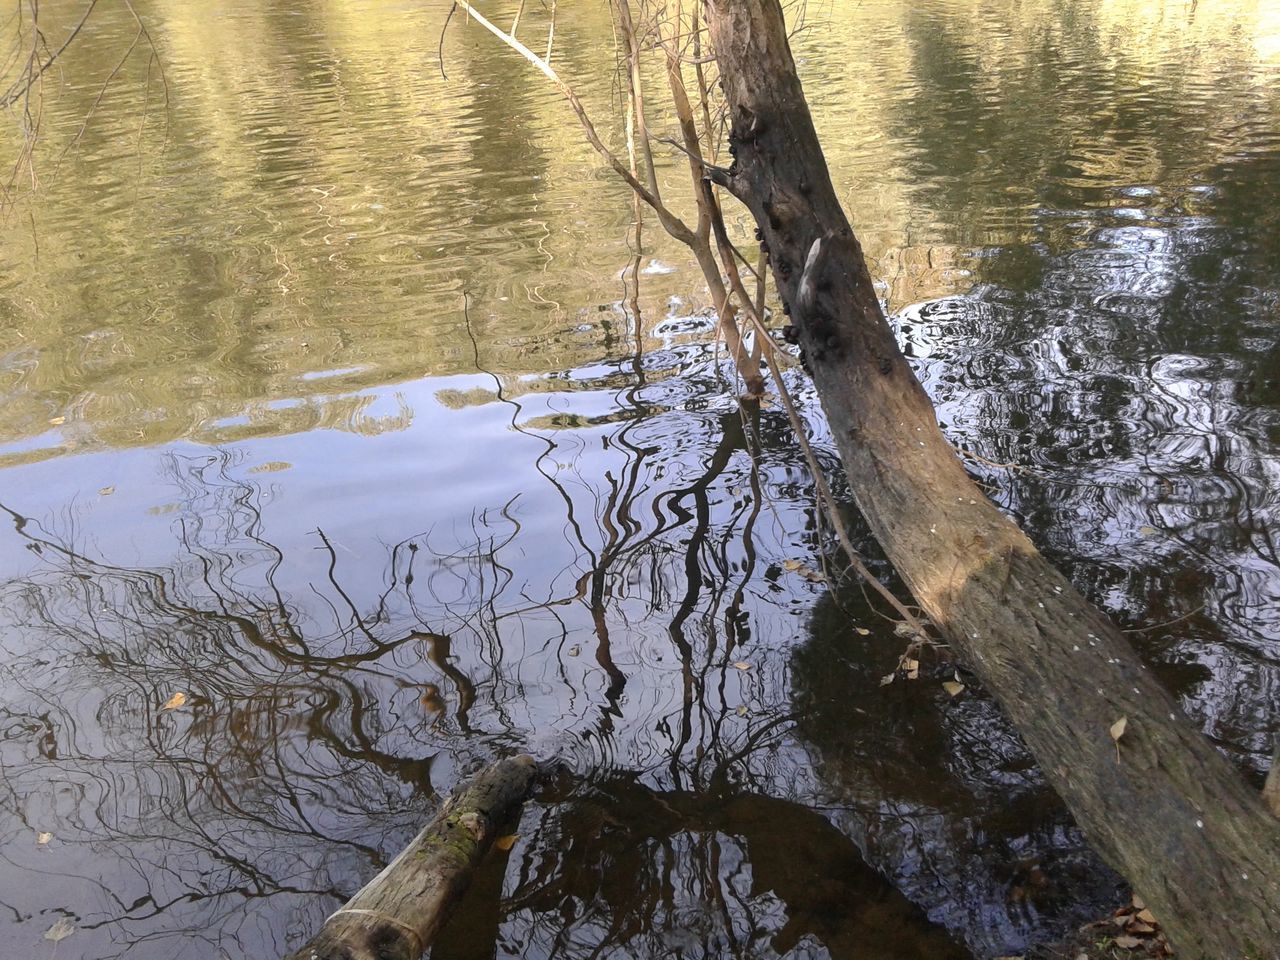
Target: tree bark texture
[[1159, 803], [398, 913], [1271, 790]]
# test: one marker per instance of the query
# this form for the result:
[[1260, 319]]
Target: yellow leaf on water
[[810, 574], [57, 421], [953, 687], [61, 929], [43, 838], [742, 665], [507, 842], [174, 702], [742, 710], [107, 491], [862, 631]]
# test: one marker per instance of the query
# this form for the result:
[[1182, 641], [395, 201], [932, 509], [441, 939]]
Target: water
[[257, 448]]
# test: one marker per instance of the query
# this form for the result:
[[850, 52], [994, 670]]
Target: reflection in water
[[376, 538]]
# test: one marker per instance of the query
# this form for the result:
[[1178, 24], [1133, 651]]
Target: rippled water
[[256, 448]]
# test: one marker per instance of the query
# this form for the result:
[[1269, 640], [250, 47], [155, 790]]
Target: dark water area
[[254, 451]]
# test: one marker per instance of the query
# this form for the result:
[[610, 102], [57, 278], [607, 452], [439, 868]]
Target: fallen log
[[1153, 795], [398, 913]]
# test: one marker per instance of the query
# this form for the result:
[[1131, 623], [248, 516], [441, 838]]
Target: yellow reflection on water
[[317, 196]]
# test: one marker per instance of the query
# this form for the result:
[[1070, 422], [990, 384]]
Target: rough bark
[[1271, 790], [1160, 804], [398, 913]]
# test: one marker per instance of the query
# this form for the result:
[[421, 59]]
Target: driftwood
[[398, 913], [1155, 798]]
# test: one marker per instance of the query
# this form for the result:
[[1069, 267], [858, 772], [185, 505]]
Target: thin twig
[[12, 95], [673, 224]]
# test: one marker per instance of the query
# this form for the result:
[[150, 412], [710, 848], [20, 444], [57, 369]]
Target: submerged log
[[1155, 798], [398, 913]]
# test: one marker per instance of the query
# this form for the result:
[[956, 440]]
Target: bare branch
[[20, 87], [673, 224]]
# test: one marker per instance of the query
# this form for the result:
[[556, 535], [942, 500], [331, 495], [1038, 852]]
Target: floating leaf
[[43, 838], [63, 928], [796, 566], [57, 421], [888, 678], [862, 631], [742, 710], [575, 650], [507, 842], [107, 491], [271, 466], [174, 702], [742, 665], [953, 687], [1149, 531]]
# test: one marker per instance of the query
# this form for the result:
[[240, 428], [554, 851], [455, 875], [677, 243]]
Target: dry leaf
[[507, 842], [1127, 943], [1145, 915], [862, 631], [107, 491], [57, 421], [742, 665], [953, 687], [810, 574], [742, 709], [61, 929], [912, 668], [174, 702], [43, 838], [1137, 926], [1148, 531], [887, 679], [1139, 903], [1117, 731]]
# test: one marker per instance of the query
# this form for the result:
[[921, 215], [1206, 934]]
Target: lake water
[[326, 403]]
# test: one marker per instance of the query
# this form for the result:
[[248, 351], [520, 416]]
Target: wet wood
[[397, 915], [1271, 789], [1161, 805]]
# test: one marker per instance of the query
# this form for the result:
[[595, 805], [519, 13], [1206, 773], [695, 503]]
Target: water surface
[[324, 402]]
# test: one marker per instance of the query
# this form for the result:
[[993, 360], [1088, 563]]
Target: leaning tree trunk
[[397, 915], [1159, 803]]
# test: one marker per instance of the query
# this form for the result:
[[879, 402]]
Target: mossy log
[[398, 913], [1154, 796]]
